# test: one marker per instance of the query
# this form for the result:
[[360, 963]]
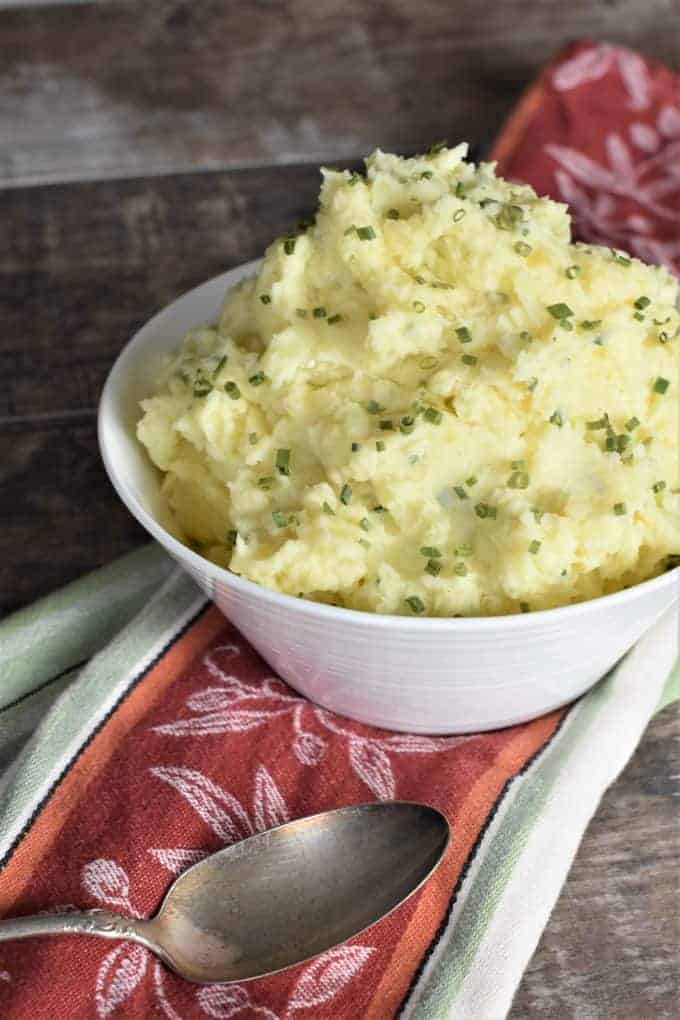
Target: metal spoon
[[279, 897]]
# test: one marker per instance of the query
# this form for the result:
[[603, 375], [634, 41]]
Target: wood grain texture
[[610, 950], [126, 88]]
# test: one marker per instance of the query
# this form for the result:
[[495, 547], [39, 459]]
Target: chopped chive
[[590, 323], [517, 465], [219, 366], [265, 299], [464, 335], [663, 337], [373, 407], [432, 415], [301, 313], [415, 604], [599, 423], [469, 359], [380, 446], [366, 544], [419, 279], [328, 509], [436, 148], [283, 461], [427, 175], [620, 509], [622, 442], [538, 514], [392, 214], [509, 216], [366, 233], [355, 447], [525, 336], [460, 569], [433, 567], [534, 546], [460, 492], [463, 550], [621, 259], [354, 178], [524, 607], [379, 509], [610, 443], [365, 524], [638, 316], [289, 245], [279, 518], [522, 248], [560, 311], [430, 552], [484, 510], [202, 388], [334, 319], [460, 189], [345, 494], [418, 306], [532, 383], [252, 438], [428, 363], [472, 480], [232, 390], [407, 424], [266, 483], [257, 379], [459, 215], [518, 480], [556, 418], [572, 272], [319, 312], [231, 539], [660, 384], [414, 458], [386, 425], [658, 486]]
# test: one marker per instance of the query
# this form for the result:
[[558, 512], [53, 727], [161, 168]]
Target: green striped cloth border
[[87, 640]]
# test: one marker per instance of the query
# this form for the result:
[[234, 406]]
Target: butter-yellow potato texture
[[429, 401]]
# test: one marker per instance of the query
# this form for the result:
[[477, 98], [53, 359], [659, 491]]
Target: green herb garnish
[[460, 492], [556, 418], [365, 524], [407, 424], [619, 509], [346, 494], [366, 233], [660, 384], [386, 425], [415, 604], [257, 379], [560, 311], [266, 483], [289, 245], [534, 546], [432, 415], [658, 486], [392, 214], [279, 518], [265, 299], [572, 272], [632, 423], [232, 390], [328, 509], [283, 462], [301, 313], [469, 359], [380, 446], [433, 567], [418, 306], [472, 480], [518, 480], [590, 323], [430, 552], [319, 312], [484, 510], [522, 248], [464, 335], [460, 569]]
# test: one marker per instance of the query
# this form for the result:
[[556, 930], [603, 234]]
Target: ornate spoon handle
[[87, 922]]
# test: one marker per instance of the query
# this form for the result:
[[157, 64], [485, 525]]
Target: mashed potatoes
[[429, 402]]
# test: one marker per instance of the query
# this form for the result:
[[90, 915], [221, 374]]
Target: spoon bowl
[[279, 897]]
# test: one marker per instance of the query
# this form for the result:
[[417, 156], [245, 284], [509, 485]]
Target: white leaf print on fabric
[[587, 66], [177, 859], [227, 1003], [668, 121], [166, 1006], [120, 972], [5, 975], [644, 136], [373, 766], [108, 883], [327, 975], [228, 721], [620, 159], [211, 699], [219, 809], [269, 806], [307, 747], [634, 76]]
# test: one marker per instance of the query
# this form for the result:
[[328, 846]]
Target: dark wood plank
[[610, 951], [83, 266], [121, 88], [59, 516]]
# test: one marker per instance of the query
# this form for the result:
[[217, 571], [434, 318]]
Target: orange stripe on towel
[[73, 787]]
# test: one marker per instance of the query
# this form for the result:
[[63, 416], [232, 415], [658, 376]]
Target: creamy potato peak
[[428, 401]]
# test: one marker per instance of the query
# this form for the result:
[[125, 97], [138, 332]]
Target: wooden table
[[145, 147]]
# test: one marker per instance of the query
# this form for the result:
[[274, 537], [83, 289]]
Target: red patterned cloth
[[600, 129]]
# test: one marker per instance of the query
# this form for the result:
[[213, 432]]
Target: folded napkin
[[153, 734]]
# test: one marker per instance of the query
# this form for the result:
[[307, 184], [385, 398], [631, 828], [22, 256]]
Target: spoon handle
[[87, 922]]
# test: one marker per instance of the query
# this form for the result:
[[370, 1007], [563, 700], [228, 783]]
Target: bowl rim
[[308, 607]]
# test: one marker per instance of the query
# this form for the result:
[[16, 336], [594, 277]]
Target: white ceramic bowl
[[420, 675]]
